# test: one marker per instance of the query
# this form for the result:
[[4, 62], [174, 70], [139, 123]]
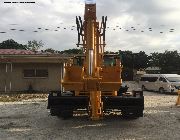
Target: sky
[[58, 16]]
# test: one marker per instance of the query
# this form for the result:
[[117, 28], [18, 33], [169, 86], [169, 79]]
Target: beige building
[[22, 70]]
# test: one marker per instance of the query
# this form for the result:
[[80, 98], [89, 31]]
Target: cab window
[[149, 79], [162, 79]]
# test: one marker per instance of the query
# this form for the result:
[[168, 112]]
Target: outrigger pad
[[61, 102], [133, 106], [129, 105]]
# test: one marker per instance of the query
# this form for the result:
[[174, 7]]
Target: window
[[149, 79], [42, 73], [162, 79], [143, 79], [35, 73], [29, 73], [153, 79], [174, 79], [109, 61]]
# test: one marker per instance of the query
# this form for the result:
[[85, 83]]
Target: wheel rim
[[161, 90], [143, 88]]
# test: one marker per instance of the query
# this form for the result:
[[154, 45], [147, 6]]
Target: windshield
[[173, 79], [109, 61]]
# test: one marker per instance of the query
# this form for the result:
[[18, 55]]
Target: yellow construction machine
[[92, 81]]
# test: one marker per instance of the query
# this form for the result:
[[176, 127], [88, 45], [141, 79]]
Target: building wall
[[2, 77], [13, 77]]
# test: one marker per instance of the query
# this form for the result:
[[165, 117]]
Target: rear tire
[[55, 112], [161, 90], [67, 114], [134, 114]]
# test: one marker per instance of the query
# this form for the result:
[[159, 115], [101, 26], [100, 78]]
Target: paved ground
[[30, 120]]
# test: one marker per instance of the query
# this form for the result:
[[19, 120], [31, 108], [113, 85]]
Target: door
[[7, 78], [152, 83], [163, 84]]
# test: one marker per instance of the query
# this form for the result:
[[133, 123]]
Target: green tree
[[11, 44], [127, 59], [131, 61], [140, 60], [72, 51], [169, 61], [127, 62], [34, 45], [50, 50], [154, 59]]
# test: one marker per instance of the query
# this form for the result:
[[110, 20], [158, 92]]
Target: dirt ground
[[31, 120]]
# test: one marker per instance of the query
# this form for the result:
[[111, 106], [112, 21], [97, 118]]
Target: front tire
[[133, 114], [161, 90], [67, 114], [55, 112], [143, 88]]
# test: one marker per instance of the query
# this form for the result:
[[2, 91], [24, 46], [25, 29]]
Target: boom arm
[[93, 78], [93, 42]]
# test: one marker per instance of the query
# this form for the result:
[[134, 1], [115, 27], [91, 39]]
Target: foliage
[[140, 60], [134, 60], [72, 51], [34, 45], [168, 62], [50, 50], [11, 44], [131, 61]]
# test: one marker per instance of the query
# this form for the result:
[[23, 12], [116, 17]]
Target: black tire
[[131, 114], [67, 114], [143, 88], [161, 90], [55, 112]]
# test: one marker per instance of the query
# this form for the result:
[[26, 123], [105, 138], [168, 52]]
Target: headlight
[[174, 86], [177, 87]]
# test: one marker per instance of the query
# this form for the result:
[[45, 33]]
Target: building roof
[[28, 56], [20, 52], [14, 51]]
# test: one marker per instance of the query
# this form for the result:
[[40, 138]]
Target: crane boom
[[94, 79]]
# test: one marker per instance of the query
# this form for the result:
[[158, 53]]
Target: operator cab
[[111, 59]]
